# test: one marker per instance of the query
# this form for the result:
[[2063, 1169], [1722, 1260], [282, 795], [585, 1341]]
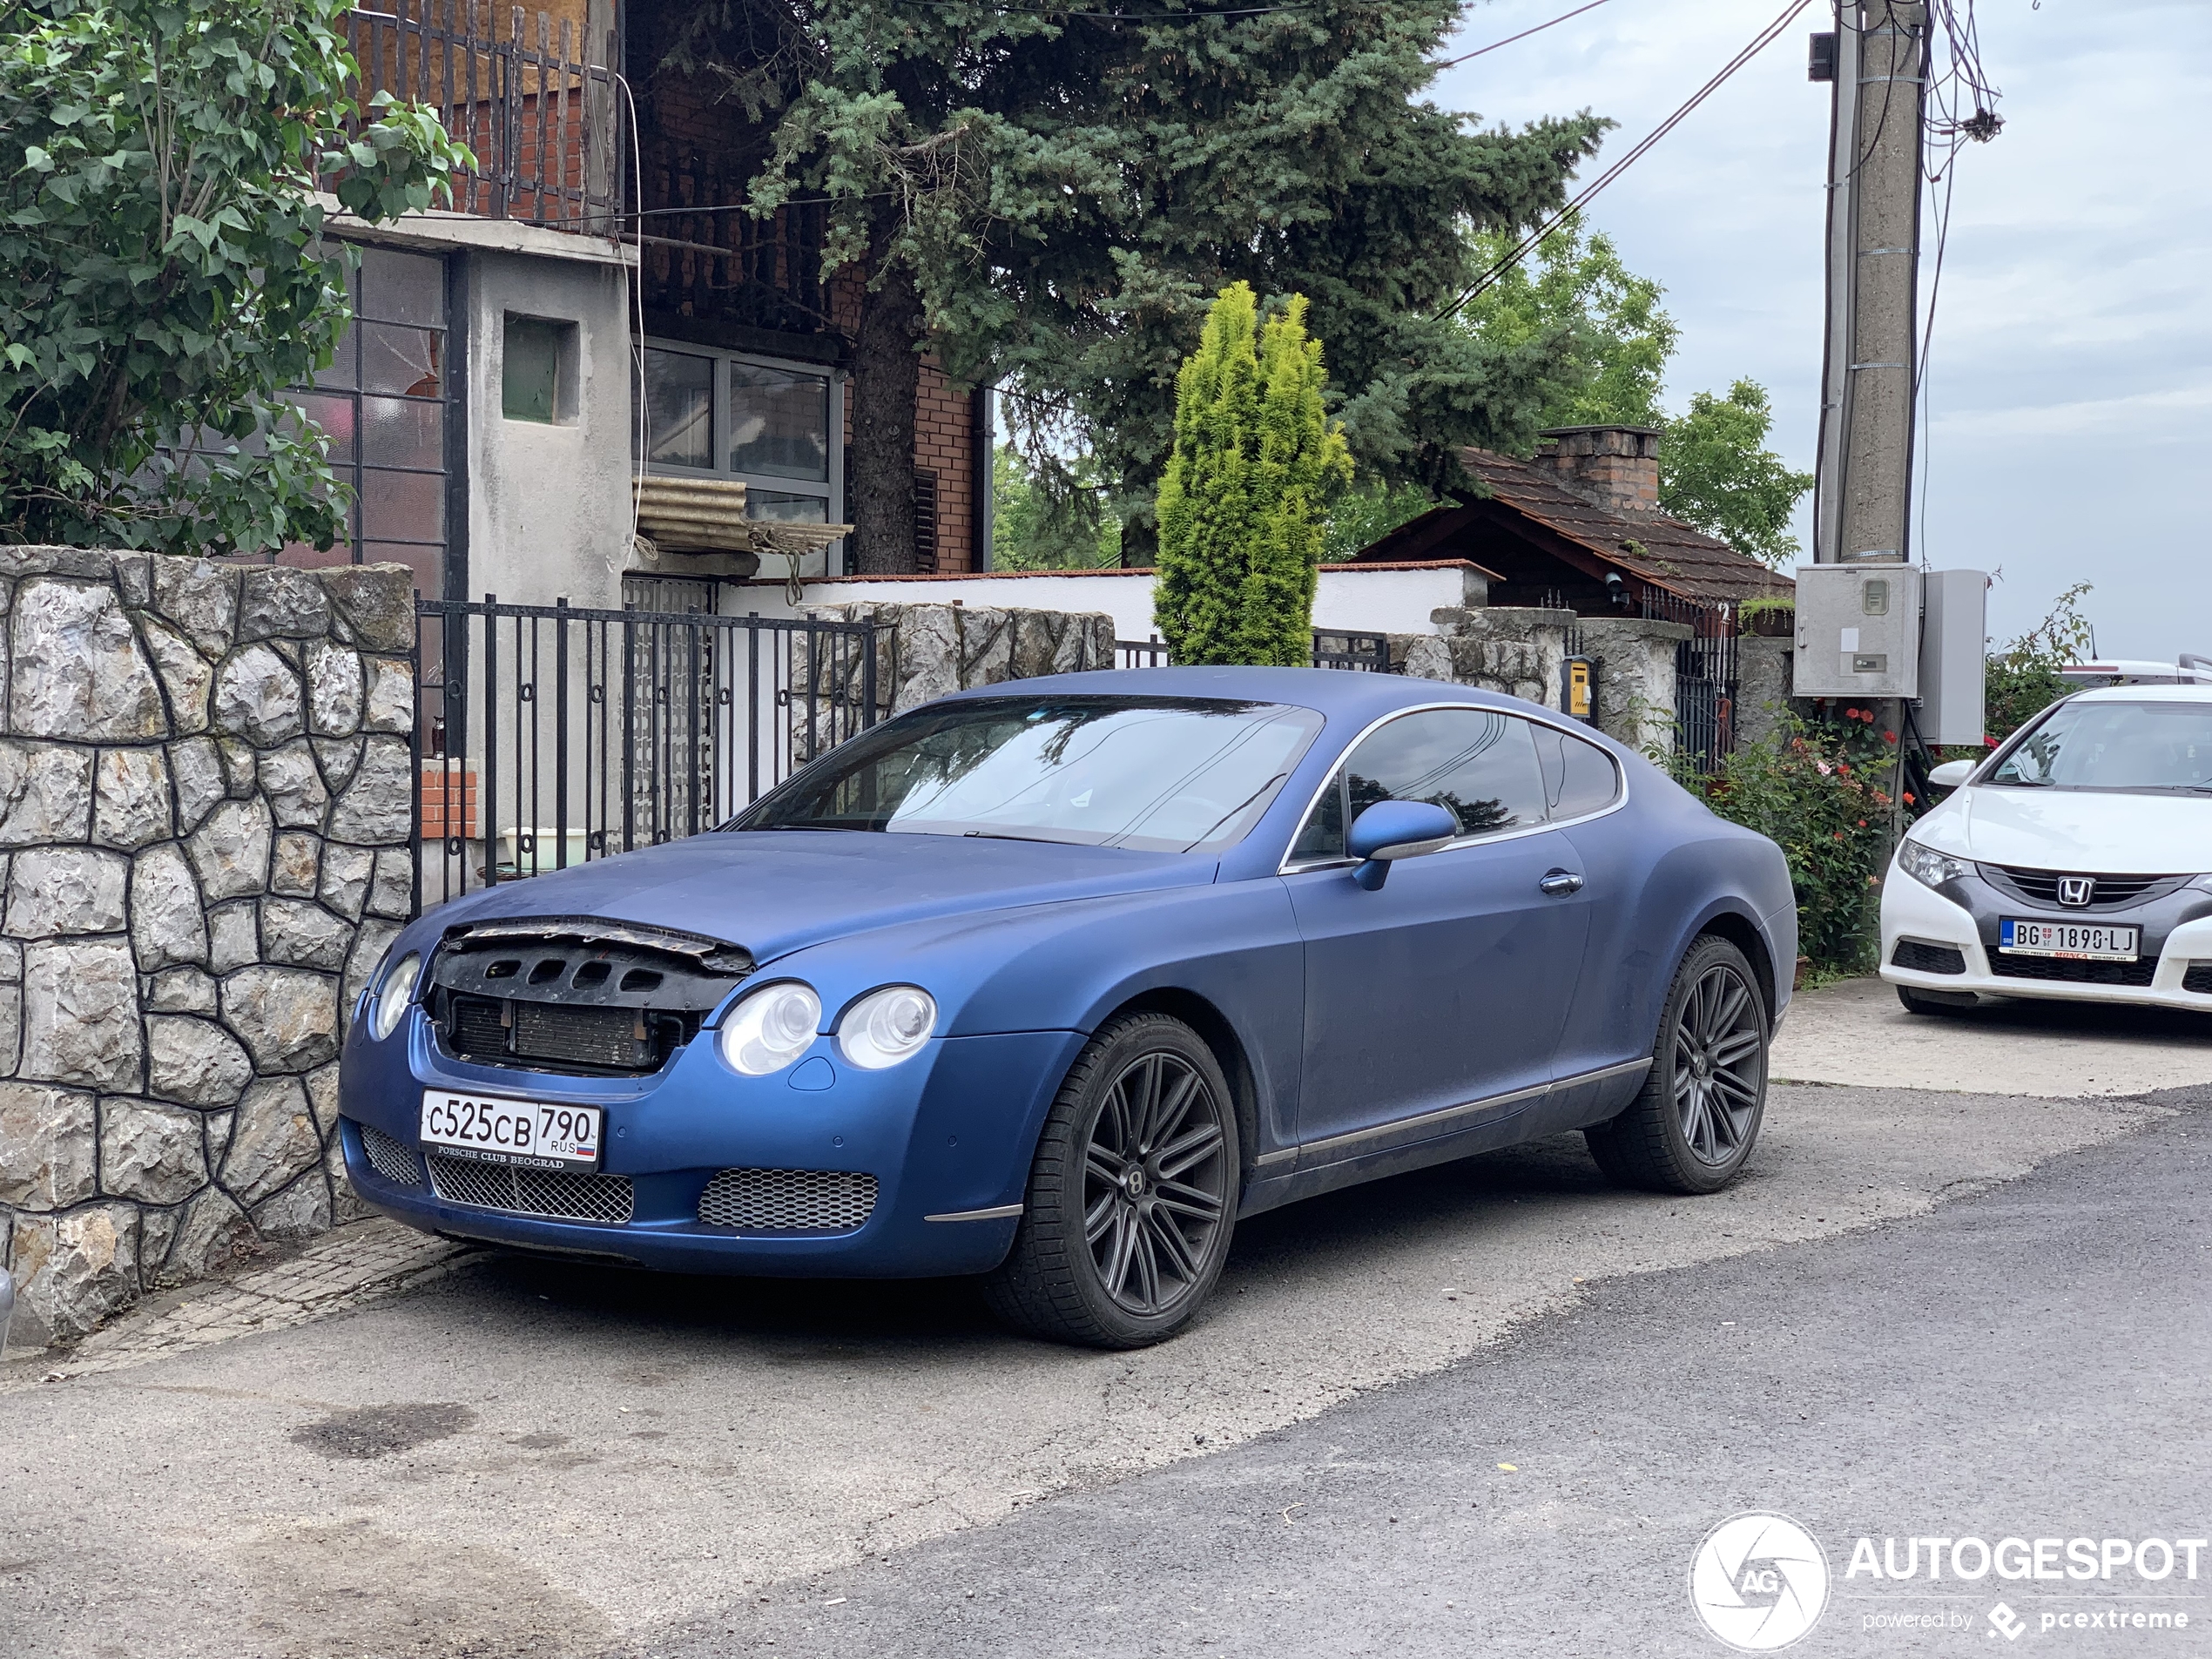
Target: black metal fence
[[548, 736], [1705, 678], [1332, 648]]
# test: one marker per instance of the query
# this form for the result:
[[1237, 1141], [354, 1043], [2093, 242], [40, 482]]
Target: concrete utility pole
[[1861, 504]]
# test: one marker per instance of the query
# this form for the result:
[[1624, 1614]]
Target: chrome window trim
[[1283, 866]]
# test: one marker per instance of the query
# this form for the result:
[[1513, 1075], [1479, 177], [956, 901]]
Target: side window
[[1477, 764], [1579, 777], [1323, 834]]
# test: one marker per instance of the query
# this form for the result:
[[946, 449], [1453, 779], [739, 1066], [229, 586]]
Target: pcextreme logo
[[1759, 1581]]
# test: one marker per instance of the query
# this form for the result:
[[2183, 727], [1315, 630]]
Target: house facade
[[594, 306]]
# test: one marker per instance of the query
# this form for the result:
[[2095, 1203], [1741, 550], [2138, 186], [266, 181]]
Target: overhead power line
[[1523, 35], [1765, 39]]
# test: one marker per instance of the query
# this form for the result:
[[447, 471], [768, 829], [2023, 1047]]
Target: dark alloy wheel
[[1133, 1194], [1695, 1122]]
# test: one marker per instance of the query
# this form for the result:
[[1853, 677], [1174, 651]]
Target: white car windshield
[[1150, 774], [2138, 748]]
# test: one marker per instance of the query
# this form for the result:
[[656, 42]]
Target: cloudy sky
[[2071, 379]]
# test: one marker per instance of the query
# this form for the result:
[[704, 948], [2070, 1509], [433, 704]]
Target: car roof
[[1337, 693], [2144, 694]]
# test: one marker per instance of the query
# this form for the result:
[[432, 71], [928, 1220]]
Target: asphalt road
[[530, 1459], [2036, 1362]]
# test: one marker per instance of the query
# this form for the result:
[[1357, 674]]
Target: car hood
[[2071, 829], [774, 891]]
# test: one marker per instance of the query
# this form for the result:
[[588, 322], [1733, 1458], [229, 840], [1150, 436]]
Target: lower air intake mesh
[[533, 1192], [1923, 958], [394, 1159], [2079, 973], [2198, 979], [829, 1201]]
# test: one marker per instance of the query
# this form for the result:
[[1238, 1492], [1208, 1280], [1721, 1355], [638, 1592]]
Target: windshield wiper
[[1002, 835]]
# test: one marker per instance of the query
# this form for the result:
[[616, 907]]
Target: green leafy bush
[[2022, 679], [163, 272], [1817, 789]]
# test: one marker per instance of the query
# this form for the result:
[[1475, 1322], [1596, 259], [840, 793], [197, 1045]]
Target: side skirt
[[1456, 1132]]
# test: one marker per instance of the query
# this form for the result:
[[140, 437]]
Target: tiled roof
[[1663, 551]]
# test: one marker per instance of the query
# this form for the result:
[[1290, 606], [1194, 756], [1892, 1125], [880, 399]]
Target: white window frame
[[718, 441]]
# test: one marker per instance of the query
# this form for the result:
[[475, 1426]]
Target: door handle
[[1557, 884]]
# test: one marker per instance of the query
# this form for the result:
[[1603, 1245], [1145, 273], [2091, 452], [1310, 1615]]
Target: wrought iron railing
[[549, 736], [538, 105]]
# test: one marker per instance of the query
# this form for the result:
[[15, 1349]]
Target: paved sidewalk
[[342, 1269], [1856, 1032]]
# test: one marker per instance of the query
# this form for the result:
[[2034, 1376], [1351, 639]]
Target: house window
[[770, 426], [384, 402], [537, 372]]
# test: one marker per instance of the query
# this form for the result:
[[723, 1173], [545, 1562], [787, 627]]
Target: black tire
[[1697, 1116], [1132, 1197], [1921, 1003]]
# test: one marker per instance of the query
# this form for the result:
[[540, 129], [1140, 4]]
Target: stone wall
[[1633, 660], [204, 811], [1763, 684], [926, 650], [1505, 649]]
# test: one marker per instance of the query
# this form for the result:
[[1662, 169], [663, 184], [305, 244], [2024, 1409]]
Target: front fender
[[1069, 967]]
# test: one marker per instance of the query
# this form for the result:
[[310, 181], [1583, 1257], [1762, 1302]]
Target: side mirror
[[1951, 774], [1397, 829]]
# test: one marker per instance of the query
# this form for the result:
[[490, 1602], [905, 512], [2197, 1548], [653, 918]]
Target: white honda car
[[2074, 862]]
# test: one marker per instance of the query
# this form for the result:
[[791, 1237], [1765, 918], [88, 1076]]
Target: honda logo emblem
[[2076, 889]]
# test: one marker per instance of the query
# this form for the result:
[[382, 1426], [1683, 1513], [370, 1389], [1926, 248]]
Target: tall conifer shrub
[[1241, 504]]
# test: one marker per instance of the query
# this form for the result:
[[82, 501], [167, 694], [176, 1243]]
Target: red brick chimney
[[1617, 467]]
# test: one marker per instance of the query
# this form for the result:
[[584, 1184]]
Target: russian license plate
[[529, 1134], [2090, 941]]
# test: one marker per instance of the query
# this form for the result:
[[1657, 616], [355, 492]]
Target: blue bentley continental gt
[[1054, 981]]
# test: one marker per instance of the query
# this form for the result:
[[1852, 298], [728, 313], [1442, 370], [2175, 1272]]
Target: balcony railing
[[538, 105]]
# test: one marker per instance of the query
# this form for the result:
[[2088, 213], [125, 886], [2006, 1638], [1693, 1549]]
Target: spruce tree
[[1242, 501], [1046, 198]]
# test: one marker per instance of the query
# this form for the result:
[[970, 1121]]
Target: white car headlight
[[393, 996], [886, 1026], [770, 1028], [1928, 866]]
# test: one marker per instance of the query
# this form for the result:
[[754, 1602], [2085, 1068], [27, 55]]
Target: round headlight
[[770, 1028], [392, 997], [886, 1027]]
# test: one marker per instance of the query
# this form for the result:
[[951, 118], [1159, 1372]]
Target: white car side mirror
[[1951, 774]]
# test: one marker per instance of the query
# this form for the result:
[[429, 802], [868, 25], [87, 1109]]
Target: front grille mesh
[[394, 1159], [2198, 979], [590, 1037], [2046, 967], [1923, 958], [607, 1198], [788, 1200]]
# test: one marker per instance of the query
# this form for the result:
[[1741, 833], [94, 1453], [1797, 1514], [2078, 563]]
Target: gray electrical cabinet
[[1954, 642], [1859, 630]]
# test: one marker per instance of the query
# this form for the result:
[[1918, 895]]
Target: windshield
[[1151, 774], [2154, 748]]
